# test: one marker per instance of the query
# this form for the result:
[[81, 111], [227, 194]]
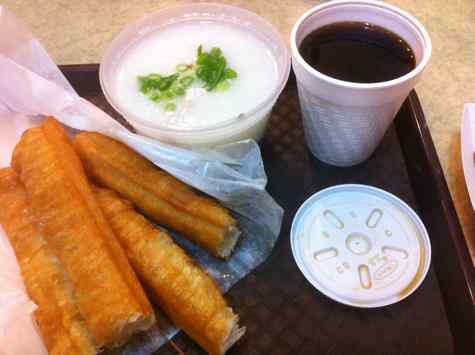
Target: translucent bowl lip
[[201, 7], [361, 86]]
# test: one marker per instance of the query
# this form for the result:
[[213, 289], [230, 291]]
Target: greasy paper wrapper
[[31, 87]]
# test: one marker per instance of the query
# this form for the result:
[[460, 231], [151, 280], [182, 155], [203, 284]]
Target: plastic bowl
[[251, 124]]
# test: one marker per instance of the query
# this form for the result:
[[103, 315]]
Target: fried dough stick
[[61, 326], [184, 291], [110, 297], [145, 173], [157, 194]]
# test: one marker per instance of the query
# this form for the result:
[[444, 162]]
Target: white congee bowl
[[251, 124]]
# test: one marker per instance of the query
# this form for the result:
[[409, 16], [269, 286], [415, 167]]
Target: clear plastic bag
[[32, 87]]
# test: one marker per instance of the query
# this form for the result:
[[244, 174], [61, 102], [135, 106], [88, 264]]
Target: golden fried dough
[[61, 325], [109, 296], [184, 291], [157, 194]]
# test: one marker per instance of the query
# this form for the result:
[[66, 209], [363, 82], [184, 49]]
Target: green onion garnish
[[170, 106], [210, 68]]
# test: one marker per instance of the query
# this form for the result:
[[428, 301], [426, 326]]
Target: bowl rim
[[195, 7]]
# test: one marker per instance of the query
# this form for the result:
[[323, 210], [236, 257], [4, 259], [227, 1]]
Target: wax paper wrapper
[[31, 87]]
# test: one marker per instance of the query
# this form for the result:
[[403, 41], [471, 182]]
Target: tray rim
[[80, 77], [432, 197], [439, 177]]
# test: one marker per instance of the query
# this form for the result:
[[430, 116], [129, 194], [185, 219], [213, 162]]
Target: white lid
[[360, 245]]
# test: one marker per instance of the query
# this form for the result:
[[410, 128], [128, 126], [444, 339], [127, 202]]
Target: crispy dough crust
[[61, 325], [145, 173], [187, 294], [157, 194], [109, 295]]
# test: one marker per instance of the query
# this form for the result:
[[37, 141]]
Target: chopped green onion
[[170, 106], [181, 67], [230, 73], [167, 95], [210, 67], [187, 80], [155, 96], [179, 90], [223, 85]]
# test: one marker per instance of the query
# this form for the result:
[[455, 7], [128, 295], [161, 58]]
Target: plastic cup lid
[[360, 245]]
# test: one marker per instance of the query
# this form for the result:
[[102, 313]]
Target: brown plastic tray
[[283, 313]]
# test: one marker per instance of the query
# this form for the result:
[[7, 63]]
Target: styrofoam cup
[[344, 121]]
